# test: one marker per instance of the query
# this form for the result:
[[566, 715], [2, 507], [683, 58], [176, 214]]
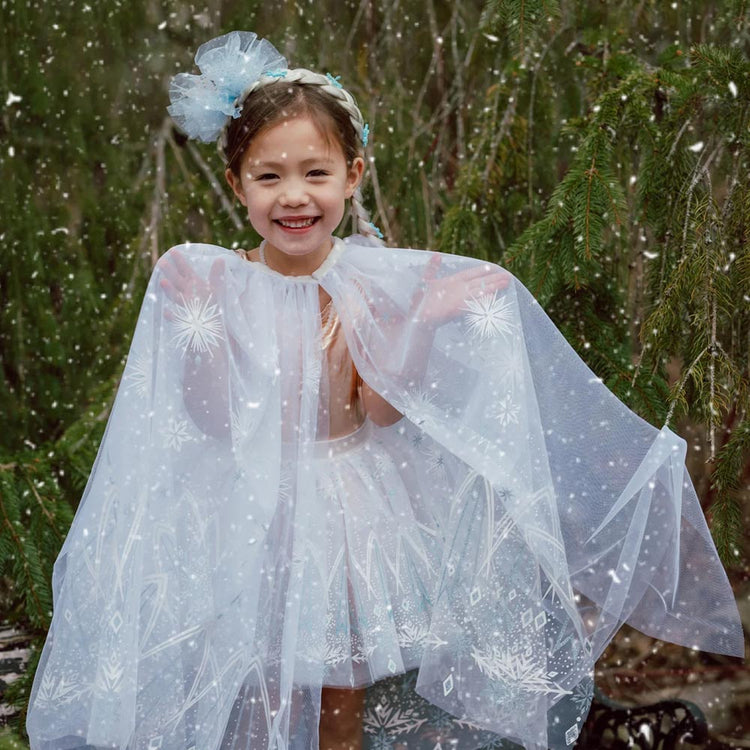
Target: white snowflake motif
[[175, 434], [510, 370], [506, 411], [489, 316], [392, 718], [329, 654], [381, 741], [517, 671], [361, 656], [436, 461], [244, 420], [412, 634], [198, 325], [139, 374], [285, 486], [311, 373], [110, 674], [583, 694], [58, 693], [382, 462], [330, 486], [418, 406]]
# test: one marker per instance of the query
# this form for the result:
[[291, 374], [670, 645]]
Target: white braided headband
[[234, 65]]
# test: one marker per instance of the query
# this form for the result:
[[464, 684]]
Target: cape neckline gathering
[[336, 250]]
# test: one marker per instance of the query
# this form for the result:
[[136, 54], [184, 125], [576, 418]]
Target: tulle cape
[[189, 595]]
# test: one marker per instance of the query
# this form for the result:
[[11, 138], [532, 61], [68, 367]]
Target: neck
[[296, 265]]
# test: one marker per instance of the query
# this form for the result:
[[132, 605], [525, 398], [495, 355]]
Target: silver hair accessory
[[234, 65]]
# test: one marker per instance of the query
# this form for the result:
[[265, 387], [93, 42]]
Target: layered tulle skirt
[[383, 554]]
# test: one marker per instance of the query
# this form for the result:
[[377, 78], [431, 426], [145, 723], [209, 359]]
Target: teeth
[[297, 224]]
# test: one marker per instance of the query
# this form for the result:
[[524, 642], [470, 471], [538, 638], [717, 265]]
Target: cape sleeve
[[159, 605], [574, 514]]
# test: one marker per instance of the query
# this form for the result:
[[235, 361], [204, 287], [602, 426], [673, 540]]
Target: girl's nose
[[294, 194]]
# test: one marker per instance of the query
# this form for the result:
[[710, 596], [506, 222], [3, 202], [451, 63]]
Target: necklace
[[262, 253]]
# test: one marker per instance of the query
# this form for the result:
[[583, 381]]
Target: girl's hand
[[442, 299], [180, 283]]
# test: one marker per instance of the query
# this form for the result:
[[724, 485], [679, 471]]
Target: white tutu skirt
[[383, 493], [383, 555]]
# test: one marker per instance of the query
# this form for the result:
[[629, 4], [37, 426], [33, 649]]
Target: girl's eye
[[266, 176], [317, 173]]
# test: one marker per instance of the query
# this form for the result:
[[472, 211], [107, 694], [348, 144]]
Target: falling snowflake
[[506, 411], [139, 374], [198, 325], [489, 316], [175, 434]]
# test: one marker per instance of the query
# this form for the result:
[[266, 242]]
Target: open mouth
[[297, 223]]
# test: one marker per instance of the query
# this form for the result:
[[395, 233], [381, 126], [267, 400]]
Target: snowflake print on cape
[[436, 461], [412, 634], [175, 434], [506, 411], [392, 717], [583, 694], [489, 316], [418, 405], [109, 677], [65, 690], [245, 418], [516, 670], [138, 376], [197, 324]]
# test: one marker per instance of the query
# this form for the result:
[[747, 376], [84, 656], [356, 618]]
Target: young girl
[[330, 463]]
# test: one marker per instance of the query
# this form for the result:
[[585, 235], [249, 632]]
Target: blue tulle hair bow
[[229, 65]]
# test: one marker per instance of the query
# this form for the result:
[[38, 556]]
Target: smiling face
[[294, 182]]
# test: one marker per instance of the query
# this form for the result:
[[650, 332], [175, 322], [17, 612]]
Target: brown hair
[[265, 106]]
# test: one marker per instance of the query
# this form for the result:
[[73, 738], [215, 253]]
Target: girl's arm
[[205, 387], [438, 299], [377, 408]]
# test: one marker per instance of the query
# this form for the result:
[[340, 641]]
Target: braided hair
[[294, 92]]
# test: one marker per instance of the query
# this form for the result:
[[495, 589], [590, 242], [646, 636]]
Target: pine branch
[[731, 473]]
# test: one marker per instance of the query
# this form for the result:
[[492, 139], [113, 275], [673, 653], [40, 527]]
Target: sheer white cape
[[190, 602]]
